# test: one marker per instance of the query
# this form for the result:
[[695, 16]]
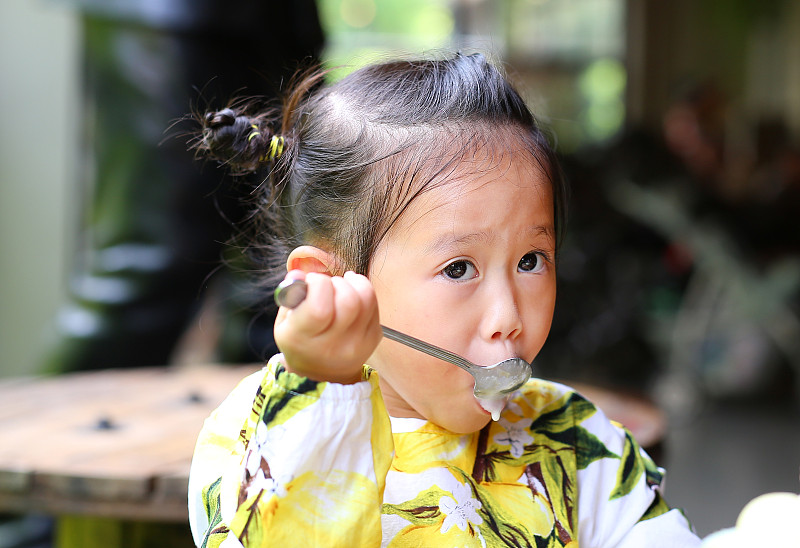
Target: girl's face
[[468, 267]]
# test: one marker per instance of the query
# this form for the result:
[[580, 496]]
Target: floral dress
[[286, 461]]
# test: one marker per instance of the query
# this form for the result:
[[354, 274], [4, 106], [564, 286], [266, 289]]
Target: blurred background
[[679, 127]]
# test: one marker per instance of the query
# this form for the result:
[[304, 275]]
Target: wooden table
[[110, 451], [113, 444]]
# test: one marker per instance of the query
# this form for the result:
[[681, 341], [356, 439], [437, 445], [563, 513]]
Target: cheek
[[544, 312], [539, 315], [396, 364], [418, 317], [413, 373]]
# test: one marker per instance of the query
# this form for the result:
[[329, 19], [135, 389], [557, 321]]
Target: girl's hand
[[333, 332]]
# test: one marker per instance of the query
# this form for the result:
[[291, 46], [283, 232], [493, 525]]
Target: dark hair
[[359, 151]]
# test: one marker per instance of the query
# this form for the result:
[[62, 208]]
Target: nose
[[501, 319]]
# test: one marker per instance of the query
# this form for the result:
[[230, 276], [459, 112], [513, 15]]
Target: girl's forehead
[[467, 168], [481, 214], [439, 173], [481, 191]]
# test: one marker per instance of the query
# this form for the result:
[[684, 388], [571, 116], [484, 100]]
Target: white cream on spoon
[[494, 406]]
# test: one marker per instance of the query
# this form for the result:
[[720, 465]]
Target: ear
[[311, 259]]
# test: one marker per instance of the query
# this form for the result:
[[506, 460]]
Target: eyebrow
[[445, 241]]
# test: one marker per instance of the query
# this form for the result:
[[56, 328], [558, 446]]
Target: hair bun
[[225, 117], [236, 140]]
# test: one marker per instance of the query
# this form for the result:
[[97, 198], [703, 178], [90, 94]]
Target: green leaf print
[[564, 413], [653, 473], [560, 425], [211, 496], [588, 448], [657, 508], [631, 469], [287, 395], [423, 510], [211, 502]]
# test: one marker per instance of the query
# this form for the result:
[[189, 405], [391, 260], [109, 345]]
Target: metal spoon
[[491, 382]]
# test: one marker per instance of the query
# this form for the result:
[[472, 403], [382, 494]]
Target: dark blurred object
[[156, 221], [32, 531], [157, 224], [682, 269], [614, 272]]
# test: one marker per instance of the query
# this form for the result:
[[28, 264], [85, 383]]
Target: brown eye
[[459, 270], [531, 262]]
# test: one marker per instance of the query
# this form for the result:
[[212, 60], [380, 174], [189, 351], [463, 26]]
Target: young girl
[[423, 192]]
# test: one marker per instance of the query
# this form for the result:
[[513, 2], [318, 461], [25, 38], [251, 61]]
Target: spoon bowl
[[491, 382], [501, 378]]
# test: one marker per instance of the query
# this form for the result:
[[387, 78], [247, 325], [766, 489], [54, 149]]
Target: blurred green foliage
[[567, 52], [364, 31]]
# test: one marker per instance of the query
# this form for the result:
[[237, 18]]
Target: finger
[[295, 274], [348, 305], [316, 314], [362, 286], [369, 319], [365, 291]]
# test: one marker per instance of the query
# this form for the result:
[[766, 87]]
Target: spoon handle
[[428, 348], [290, 293]]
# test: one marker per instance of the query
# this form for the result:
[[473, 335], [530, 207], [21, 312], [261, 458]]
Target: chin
[[471, 422]]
